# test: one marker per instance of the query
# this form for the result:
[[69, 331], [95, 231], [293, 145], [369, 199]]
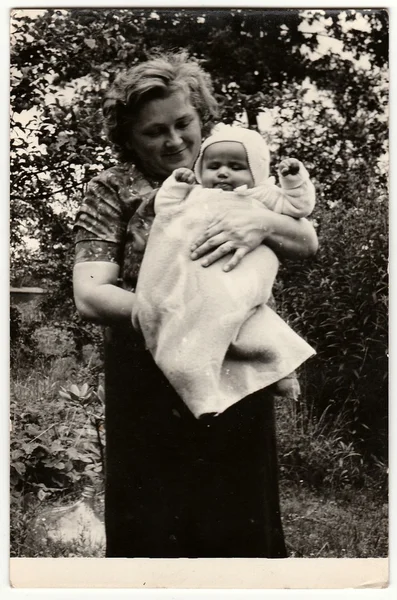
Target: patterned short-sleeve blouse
[[114, 221]]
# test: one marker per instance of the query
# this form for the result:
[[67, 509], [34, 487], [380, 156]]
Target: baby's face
[[225, 166]]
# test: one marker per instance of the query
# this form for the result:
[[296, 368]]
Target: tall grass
[[319, 450], [334, 502]]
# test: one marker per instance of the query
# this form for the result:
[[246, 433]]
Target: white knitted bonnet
[[255, 146]]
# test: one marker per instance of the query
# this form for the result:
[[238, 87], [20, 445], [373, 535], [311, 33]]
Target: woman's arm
[[291, 238], [246, 227], [96, 295]]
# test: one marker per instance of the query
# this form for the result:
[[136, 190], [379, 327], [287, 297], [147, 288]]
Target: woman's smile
[[176, 153]]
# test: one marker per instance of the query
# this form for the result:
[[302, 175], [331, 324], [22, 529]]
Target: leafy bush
[[52, 341], [58, 449], [338, 301], [57, 438], [43, 337], [22, 347]]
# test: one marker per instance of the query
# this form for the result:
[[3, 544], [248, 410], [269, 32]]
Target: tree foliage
[[319, 77]]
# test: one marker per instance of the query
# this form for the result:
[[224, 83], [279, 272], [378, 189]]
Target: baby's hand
[[184, 175], [289, 166]]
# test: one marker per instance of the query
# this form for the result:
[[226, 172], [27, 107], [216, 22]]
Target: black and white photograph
[[196, 374]]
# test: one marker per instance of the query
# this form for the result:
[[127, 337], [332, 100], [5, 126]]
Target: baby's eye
[[238, 167], [213, 165]]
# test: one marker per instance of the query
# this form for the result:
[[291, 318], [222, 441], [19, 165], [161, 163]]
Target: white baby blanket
[[210, 332]]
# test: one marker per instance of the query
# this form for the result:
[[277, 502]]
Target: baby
[[211, 332]]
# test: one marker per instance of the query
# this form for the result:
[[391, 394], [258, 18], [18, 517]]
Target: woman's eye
[[153, 133], [184, 123]]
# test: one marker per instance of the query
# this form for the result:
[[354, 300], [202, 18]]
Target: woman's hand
[[243, 228], [239, 231]]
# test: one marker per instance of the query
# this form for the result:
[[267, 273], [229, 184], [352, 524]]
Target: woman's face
[[166, 135]]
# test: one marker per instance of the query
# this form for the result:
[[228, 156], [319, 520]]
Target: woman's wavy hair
[[161, 75]]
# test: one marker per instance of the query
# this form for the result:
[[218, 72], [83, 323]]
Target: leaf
[[90, 43], [101, 393], [56, 446], [41, 495], [16, 454], [19, 467], [73, 453], [86, 459], [33, 430], [84, 389], [91, 474], [40, 450], [75, 390]]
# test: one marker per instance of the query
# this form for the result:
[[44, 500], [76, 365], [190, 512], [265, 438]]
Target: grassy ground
[[326, 525], [315, 526], [334, 503]]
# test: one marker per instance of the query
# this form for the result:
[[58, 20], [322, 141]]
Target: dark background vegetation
[[330, 109]]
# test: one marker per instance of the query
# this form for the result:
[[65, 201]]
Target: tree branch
[[43, 196], [331, 37]]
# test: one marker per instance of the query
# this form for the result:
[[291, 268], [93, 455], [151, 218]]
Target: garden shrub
[[22, 342], [338, 302], [60, 448], [53, 341]]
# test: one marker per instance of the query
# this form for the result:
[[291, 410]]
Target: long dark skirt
[[181, 487]]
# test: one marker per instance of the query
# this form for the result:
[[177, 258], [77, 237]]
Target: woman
[[175, 486]]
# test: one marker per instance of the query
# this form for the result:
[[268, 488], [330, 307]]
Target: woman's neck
[[154, 180]]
